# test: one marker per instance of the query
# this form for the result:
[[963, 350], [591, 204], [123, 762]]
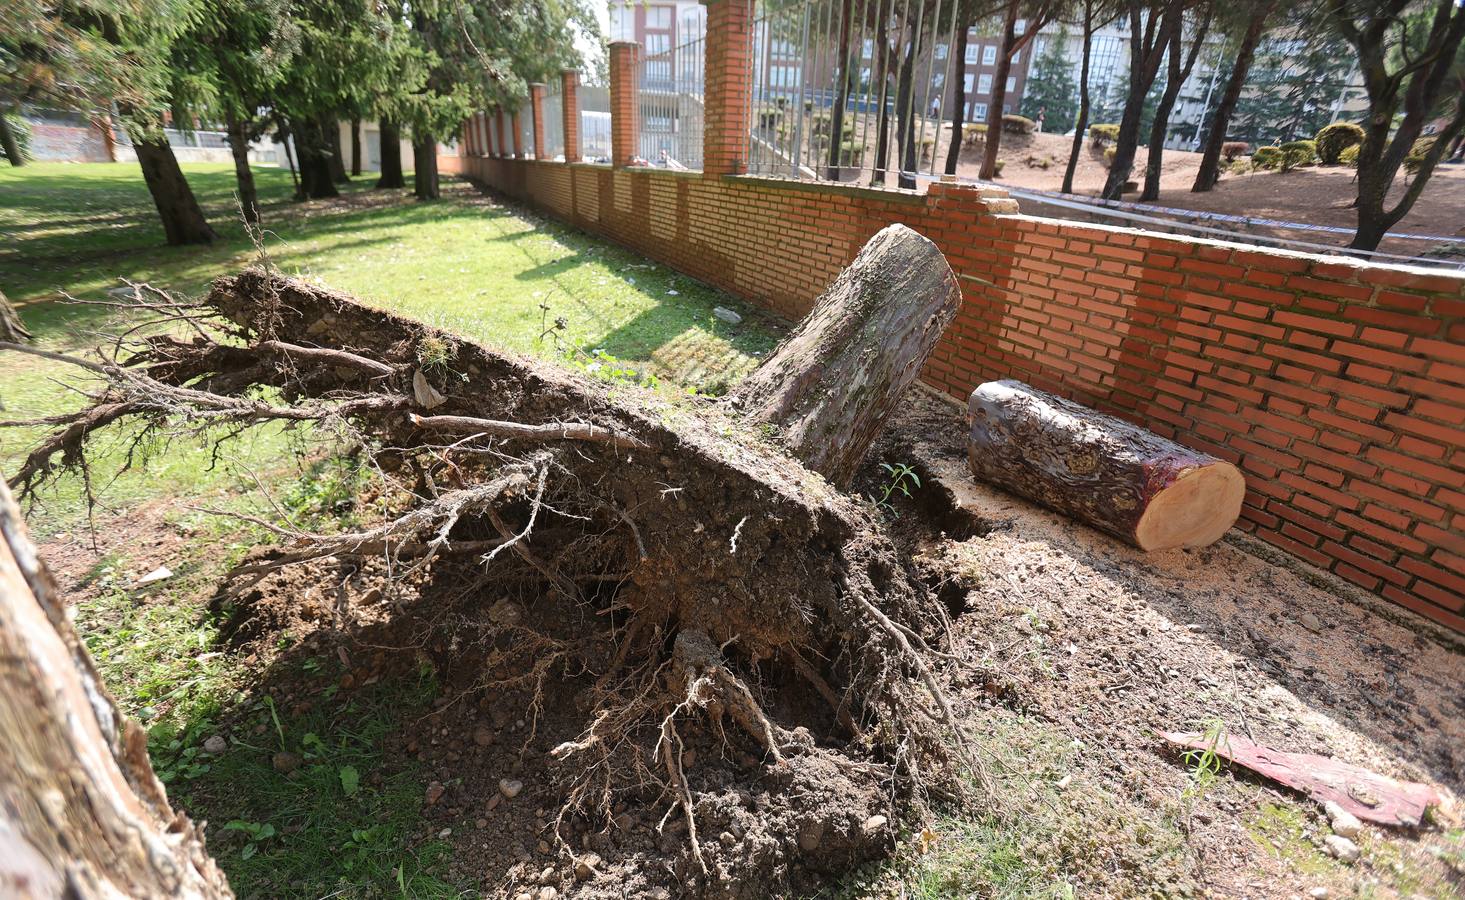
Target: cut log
[[81, 812], [1146, 490], [831, 384]]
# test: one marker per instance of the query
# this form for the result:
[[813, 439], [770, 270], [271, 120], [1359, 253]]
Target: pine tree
[[1051, 90]]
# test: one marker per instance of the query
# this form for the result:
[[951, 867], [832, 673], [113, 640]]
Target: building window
[[1007, 109], [940, 51], [1022, 26], [1017, 57], [971, 54], [1039, 46], [989, 55], [984, 84], [1011, 84], [659, 17], [869, 48], [622, 23], [979, 112], [969, 79], [657, 43], [938, 79]]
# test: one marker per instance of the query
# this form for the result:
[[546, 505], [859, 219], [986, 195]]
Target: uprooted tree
[[703, 579]]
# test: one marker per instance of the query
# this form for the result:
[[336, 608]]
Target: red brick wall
[[1337, 387]]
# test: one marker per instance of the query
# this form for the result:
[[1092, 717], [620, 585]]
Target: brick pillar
[[536, 106], [518, 134], [503, 133], [625, 114], [570, 110], [728, 84]]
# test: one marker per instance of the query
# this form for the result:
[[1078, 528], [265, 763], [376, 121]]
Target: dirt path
[[1105, 644]]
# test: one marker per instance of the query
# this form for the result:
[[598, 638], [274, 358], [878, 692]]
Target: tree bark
[[330, 127], [315, 161], [9, 143], [391, 140], [1082, 124], [882, 137], [1149, 36], [831, 384], [1146, 490], [81, 812], [12, 330], [355, 145], [999, 94], [183, 220], [958, 105], [1178, 72], [243, 174], [1210, 164], [905, 176], [424, 169]]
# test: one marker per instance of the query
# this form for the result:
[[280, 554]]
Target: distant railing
[[852, 91], [669, 91], [526, 128]]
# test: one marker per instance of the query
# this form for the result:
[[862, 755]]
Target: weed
[[901, 478]]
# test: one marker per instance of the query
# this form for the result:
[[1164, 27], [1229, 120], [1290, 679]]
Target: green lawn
[[345, 823]]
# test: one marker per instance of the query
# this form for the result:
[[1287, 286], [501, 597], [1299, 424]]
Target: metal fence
[[669, 92], [594, 122], [526, 128], [853, 91], [554, 121]]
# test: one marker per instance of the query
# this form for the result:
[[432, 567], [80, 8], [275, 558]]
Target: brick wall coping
[[824, 187]]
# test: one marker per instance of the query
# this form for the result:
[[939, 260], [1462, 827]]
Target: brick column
[[625, 113], [536, 106], [570, 111], [503, 133], [518, 127], [728, 85]]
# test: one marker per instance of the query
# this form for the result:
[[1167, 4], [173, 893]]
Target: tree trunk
[[12, 330], [1117, 477], [958, 105], [1082, 124], [424, 169], [1147, 43], [882, 136], [999, 94], [905, 115], [243, 174], [355, 145], [1178, 73], [1210, 163], [832, 382], [330, 126], [83, 814], [9, 143], [391, 140], [183, 221], [315, 161], [841, 97]]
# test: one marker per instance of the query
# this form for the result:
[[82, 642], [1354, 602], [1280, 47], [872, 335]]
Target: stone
[[726, 839], [542, 848], [215, 745], [1343, 821], [875, 824], [585, 866], [510, 787], [285, 762], [726, 315], [546, 893], [482, 736], [810, 836], [1339, 846], [1318, 893], [435, 792]]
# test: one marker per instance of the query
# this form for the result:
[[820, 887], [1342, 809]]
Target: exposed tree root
[[734, 586]]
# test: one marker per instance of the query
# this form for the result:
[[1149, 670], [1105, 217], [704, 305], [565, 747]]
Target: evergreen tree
[[1051, 90], [1293, 86]]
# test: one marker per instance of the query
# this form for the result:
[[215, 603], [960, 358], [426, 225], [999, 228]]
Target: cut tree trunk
[[12, 330], [1122, 479], [183, 220], [831, 384], [81, 812]]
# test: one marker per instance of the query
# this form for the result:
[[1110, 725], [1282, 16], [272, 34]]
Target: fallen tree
[[1152, 492], [721, 588]]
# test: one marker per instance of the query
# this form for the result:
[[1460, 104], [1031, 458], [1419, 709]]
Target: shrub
[[1266, 158], [1333, 139], [998, 167], [1417, 153], [1015, 124], [1297, 153], [1109, 157], [1103, 135], [1349, 156], [1232, 149], [973, 133]]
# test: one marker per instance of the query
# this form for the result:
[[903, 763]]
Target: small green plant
[[1333, 139], [902, 477], [255, 833], [435, 352], [1205, 765]]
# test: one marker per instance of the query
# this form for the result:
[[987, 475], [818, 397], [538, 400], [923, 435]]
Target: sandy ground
[[1316, 195], [1107, 644]]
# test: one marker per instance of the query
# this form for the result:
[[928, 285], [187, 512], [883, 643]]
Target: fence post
[[727, 87], [518, 127], [536, 107], [570, 112], [625, 125]]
